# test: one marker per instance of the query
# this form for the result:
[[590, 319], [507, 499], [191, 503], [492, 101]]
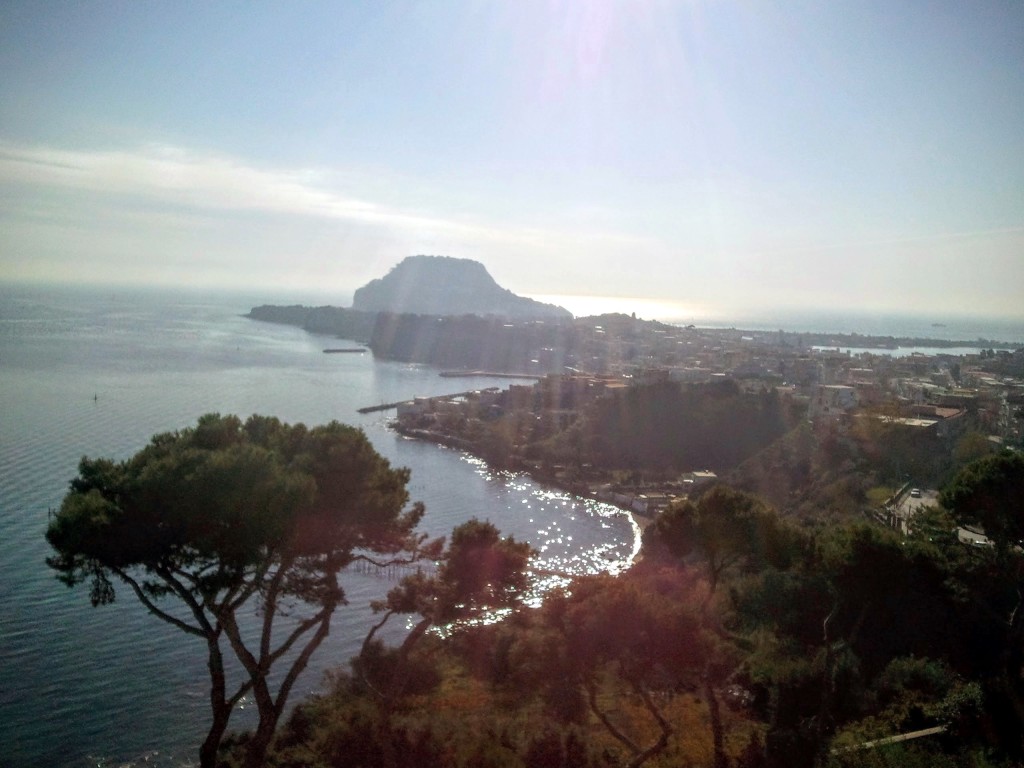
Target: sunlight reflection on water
[[560, 555]]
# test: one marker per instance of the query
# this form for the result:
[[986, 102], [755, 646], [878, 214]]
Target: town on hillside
[[639, 413]]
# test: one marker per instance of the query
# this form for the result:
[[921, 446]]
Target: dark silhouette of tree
[[666, 425], [479, 572], [727, 529], [990, 492], [231, 520], [824, 630], [606, 638]]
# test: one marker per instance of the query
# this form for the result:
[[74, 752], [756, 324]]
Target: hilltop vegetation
[[830, 471], [587, 432], [658, 429], [739, 640], [668, 426]]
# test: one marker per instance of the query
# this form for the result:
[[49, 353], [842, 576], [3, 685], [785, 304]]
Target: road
[[909, 506]]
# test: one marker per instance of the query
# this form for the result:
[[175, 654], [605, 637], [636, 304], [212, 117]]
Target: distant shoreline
[[342, 322], [835, 340], [995, 332]]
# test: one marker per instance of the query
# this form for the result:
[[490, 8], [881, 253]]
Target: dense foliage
[[666, 425], [658, 429], [738, 640]]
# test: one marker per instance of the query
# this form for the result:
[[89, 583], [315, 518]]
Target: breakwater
[[489, 375], [391, 406]]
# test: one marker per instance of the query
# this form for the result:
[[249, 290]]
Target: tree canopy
[[990, 492], [818, 647], [479, 572], [727, 527], [238, 522]]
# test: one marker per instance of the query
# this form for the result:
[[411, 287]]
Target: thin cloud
[[180, 177]]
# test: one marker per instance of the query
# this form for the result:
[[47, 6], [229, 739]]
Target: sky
[[720, 154]]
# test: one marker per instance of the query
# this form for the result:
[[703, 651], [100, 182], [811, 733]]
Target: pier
[[390, 406], [383, 406], [489, 374], [392, 571]]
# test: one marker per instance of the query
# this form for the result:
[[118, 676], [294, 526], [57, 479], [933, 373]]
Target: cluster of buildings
[[938, 392], [935, 394]]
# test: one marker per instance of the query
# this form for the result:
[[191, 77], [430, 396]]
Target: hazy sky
[[723, 154]]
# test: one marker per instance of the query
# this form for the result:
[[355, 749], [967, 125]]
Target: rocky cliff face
[[442, 285]]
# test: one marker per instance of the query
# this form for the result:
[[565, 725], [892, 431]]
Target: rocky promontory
[[442, 285]]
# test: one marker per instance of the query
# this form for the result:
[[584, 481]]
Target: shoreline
[[638, 521]]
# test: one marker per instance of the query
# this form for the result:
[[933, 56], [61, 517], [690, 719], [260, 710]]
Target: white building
[[831, 401]]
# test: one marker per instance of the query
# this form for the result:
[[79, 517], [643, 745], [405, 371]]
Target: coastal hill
[[442, 285]]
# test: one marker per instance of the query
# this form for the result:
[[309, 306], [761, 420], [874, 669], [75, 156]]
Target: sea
[[97, 371]]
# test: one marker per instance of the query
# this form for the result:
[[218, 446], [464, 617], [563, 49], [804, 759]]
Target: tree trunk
[[256, 750], [208, 750], [271, 708], [220, 707], [717, 730]]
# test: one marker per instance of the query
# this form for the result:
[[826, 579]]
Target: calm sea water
[[98, 372]]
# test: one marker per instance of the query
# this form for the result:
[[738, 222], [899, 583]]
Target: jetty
[[490, 375], [350, 350], [390, 406], [382, 406]]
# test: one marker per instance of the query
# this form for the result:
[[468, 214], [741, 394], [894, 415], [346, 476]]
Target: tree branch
[[194, 578], [1012, 620], [715, 571], [300, 663], [373, 631], [270, 609], [187, 597], [243, 689], [244, 655], [599, 713], [412, 559], [152, 607], [298, 632], [414, 636], [827, 682], [666, 729], [236, 596]]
